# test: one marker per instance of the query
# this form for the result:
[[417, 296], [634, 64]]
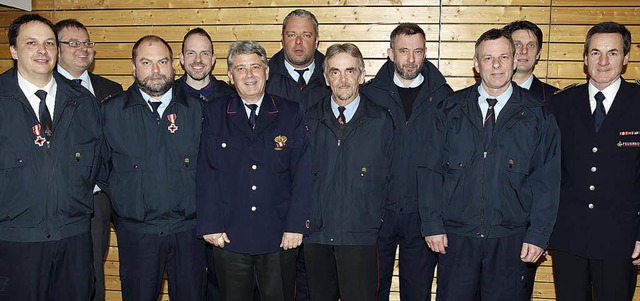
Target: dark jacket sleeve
[[300, 166], [544, 180], [430, 178], [210, 215]]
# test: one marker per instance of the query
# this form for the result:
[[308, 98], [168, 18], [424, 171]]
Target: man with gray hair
[[253, 182]]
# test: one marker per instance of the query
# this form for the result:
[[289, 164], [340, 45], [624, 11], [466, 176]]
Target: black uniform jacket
[[151, 165], [46, 192], [350, 174], [599, 213], [281, 83], [410, 135], [507, 187], [104, 88], [254, 185]]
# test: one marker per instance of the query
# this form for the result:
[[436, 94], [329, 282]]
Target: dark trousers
[[100, 234], [213, 293], [144, 258], [417, 262], [302, 284], [577, 278], [346, 272], [47, 271], [273, 274], [488, 268]]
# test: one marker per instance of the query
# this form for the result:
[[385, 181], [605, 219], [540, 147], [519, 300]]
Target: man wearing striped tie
[[489, 182]]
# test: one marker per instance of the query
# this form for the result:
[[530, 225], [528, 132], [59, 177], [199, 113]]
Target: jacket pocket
[[17, 190], [281, 151], [125, 184], [516, 200], [79, 160], [186, 168], [455, 209], [370, 202], [228, 154]]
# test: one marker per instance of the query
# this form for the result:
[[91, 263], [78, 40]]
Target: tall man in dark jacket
[[351, 139], [295, 72], [596, 240], [527, 37], [152, 134], [197, 59], [50, 148], [254, 178], [75, 56], [409, 87], [490, 182]]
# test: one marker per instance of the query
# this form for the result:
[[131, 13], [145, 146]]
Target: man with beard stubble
[[409, 86], [153, 133]]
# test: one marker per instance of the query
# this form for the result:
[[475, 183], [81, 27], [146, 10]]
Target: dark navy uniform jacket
[[542, 90], [254, 185], [599, 215], [150, 170], [46, 192], [283, 85]]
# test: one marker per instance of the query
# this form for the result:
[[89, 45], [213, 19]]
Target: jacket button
[[135, 166], [48, 235], [592, 188], [254, 167], [253, 208], [223, 145], [161, 232], [594, 149], [254, 187], [594, 169], [19, 160], [591, 206]]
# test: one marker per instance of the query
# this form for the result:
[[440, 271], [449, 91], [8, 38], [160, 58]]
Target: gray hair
[[246, 47], [348, 48]]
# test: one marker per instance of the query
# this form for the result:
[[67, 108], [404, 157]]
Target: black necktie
[[45, 116], [154, 106], [77, 81], [301, 81], [599, 114], [252, 115], [341, 118], [490, 120]]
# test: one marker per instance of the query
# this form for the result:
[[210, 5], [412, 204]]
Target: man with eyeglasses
[[75, 56], [49, 153]]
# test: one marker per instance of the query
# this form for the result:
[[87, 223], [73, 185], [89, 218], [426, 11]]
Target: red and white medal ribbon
[[39, 139], [172, 127]]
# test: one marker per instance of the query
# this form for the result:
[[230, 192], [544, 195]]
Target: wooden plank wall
[[451, 26]]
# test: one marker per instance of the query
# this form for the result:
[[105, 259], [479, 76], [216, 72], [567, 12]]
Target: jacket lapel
[[237, 115], [268, 113]]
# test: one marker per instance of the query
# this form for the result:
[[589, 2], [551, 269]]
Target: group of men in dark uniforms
[[301, 183]]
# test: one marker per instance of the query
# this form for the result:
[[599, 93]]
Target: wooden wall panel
[[452, 26]]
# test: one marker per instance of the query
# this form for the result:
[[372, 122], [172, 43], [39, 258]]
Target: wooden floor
[[542, 291]]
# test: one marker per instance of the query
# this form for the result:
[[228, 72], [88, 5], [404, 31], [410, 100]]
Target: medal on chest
[[39, 139], [172, 127]]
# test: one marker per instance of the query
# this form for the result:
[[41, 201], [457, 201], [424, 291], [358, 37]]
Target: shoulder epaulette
[[638, 81], [565, 88]]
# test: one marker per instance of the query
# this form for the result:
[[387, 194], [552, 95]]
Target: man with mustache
[[50, 152], [596, 241], [409, 86], [351, 139], [75, 56], [152, 134], [295, 72], [527, 38], [489, 181], [197, 59]]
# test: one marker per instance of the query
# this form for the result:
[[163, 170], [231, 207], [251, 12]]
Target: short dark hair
[[348, 48], [609, 27], [408, 29], [525, 25], [14, 27], [69, 23], [304, 14], [150, 38], [494, 34], [199, 31]]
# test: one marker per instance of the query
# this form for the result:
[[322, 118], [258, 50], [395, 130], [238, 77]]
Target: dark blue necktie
[[341, 118], [599, 114], [301, 82], [252, 116], [154, 106], [43, 111], [77, 81], [489, 121]]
